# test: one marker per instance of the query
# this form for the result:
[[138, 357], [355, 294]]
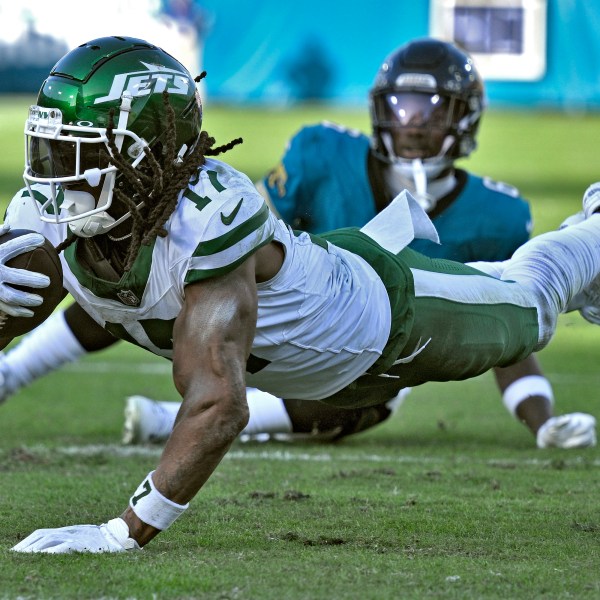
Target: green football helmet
[[67, 128]]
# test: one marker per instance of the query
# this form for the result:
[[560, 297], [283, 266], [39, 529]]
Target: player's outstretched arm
[[528, 395], [212, 339]]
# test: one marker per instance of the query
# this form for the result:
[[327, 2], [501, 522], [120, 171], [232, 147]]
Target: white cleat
[[575, 430], [591, 199], [144, 421]]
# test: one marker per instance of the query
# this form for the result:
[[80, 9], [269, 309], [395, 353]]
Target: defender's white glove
[[12, 301], [109, 537], [575, 430]]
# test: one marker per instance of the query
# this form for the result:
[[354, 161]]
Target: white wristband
[[152, 507], [526, 387]]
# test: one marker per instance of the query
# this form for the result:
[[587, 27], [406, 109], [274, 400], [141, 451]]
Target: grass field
[[450, 499]]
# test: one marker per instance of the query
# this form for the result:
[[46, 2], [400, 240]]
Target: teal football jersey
[[323, 183]]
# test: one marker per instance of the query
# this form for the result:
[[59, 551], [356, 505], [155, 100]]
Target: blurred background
[[273, 67], [532, 53]]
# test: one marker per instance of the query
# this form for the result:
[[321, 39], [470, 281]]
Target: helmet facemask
[[420, 135], [65, 154]]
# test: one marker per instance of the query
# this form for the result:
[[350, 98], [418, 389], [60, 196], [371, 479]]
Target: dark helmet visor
[[57, 158], [416, 109]]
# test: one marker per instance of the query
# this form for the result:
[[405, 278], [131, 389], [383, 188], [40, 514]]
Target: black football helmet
[[432, 89]]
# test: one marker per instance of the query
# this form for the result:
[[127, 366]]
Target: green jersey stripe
[[234, 236], [194, 275]]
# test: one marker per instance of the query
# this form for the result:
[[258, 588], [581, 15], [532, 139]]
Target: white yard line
[[97, 367], [290, 455]]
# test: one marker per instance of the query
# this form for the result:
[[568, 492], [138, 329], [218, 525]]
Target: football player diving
[[426, 106], [172, 250]]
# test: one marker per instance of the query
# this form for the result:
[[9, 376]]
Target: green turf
[[449, 499]]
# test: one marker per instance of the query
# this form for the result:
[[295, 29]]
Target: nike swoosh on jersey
[[228, 220]]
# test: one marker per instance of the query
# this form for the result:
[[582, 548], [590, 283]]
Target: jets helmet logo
[[154, 80]]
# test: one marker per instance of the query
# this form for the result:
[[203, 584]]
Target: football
[[44, 260]]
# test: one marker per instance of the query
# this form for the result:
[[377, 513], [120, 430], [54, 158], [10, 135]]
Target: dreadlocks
[[152, 193]]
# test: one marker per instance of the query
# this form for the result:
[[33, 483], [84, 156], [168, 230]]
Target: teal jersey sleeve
[[322, 181], [486, 221]]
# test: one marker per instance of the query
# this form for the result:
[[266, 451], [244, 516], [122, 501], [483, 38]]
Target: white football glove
[[14, 302], [575, 430], [108, 537]]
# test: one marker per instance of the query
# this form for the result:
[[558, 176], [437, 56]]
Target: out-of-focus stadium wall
[[277, 53], [271, 51]]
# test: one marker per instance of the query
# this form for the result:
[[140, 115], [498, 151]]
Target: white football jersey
[[323, 320]]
